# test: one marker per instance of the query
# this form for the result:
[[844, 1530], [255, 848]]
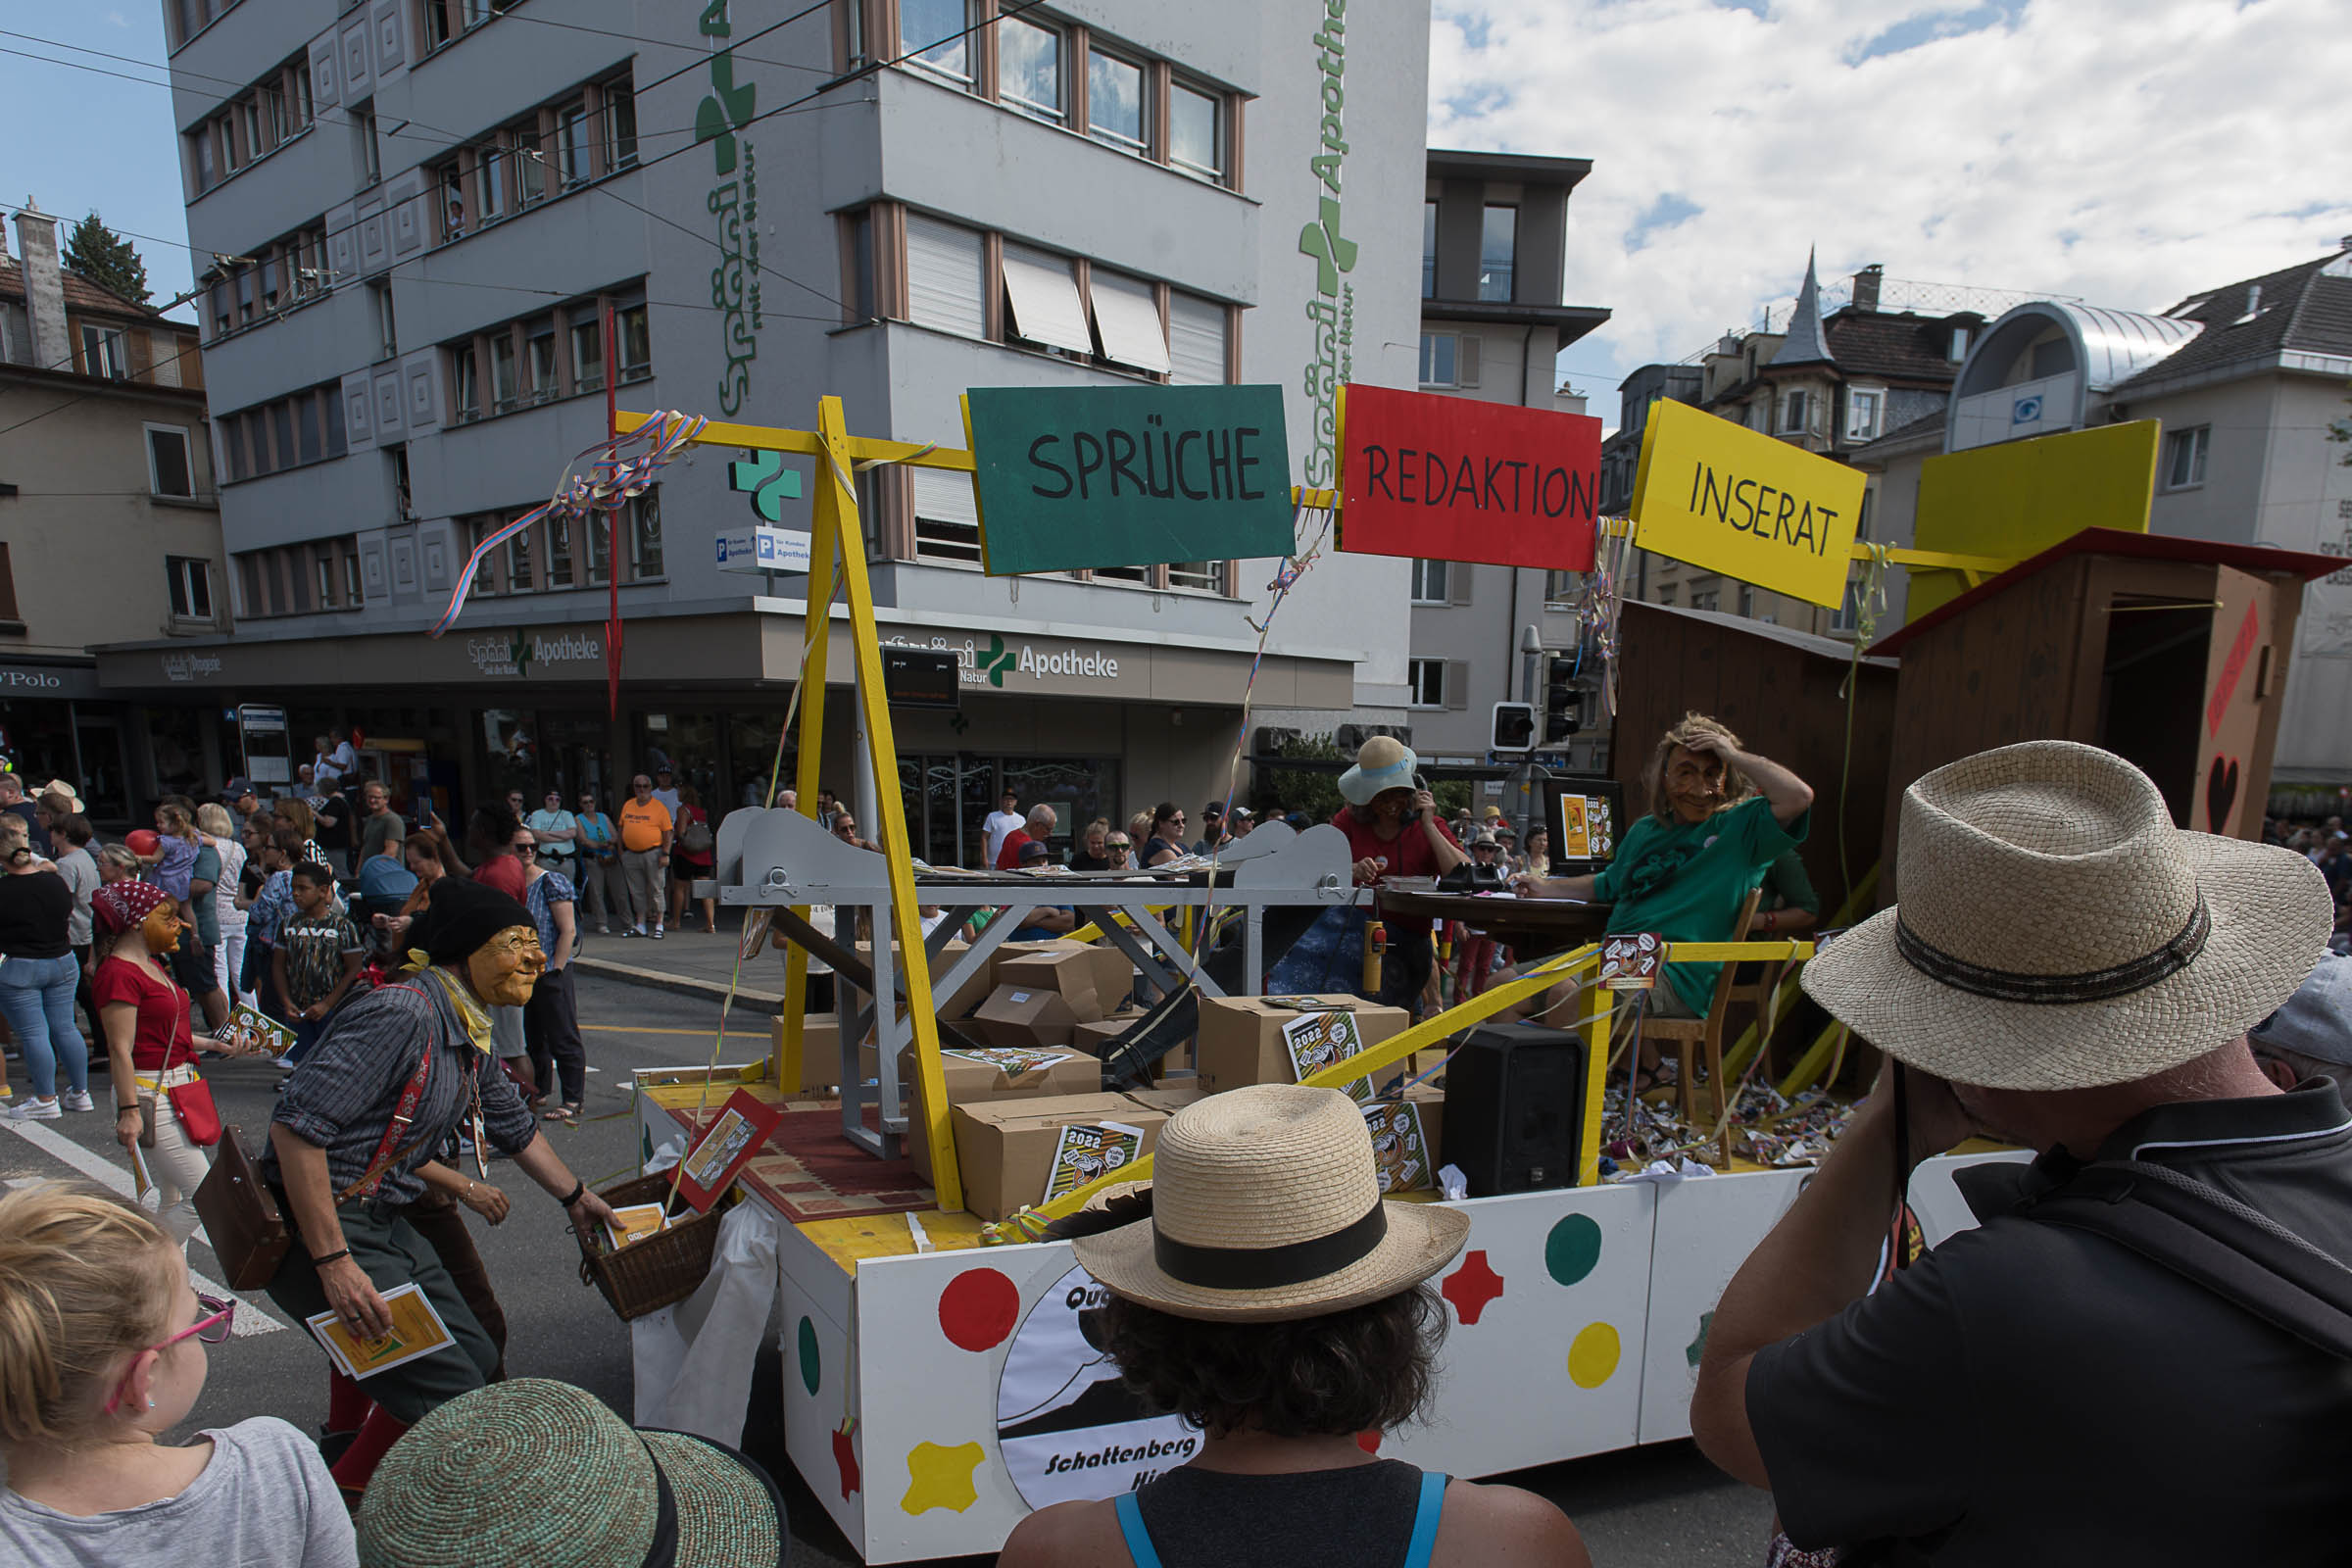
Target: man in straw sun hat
[[2083, 1377], [542, 1473], [1393, 829], [1273, 1298]]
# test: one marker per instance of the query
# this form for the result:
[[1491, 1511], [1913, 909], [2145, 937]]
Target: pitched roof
[[2305, 308], [1903, 346], [1803, 343], [81, 293]]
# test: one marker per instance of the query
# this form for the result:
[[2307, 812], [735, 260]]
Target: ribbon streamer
[[611, 479]]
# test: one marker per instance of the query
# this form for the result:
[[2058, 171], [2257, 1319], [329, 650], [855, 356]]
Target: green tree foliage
[[1316, 792], [96, 252]]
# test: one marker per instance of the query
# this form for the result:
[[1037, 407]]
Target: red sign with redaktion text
[[1449, 478]]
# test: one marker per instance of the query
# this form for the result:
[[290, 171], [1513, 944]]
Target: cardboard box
[[1096, 1037], [1169, 1097], [1006, 1148], [1113, 971], [1016, 1016], [1094, 981], [972, 1079], [962, 1002], [820, 1052], [1240, 1038]]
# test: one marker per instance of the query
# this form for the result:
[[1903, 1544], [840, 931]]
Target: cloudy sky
[[2129, 152], [2125, 151]]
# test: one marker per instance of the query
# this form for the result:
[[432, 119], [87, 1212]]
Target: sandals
[[559, 1114]]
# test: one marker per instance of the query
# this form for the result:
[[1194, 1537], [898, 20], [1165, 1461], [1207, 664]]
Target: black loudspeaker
[[1515, 1109]]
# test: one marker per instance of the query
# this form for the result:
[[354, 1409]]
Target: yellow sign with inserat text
[[1727, 498]]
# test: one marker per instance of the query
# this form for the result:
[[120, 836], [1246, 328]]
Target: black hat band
[[2095, 985], [1262, 1268]]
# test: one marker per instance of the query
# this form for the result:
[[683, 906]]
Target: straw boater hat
[[2057, 931], [538, 1472], [1383, 762], [1266, 1206]]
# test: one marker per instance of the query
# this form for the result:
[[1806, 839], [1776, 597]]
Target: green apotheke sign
[[1071, 479]]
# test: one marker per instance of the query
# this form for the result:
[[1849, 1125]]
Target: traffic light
[[1514, 727], [1563, 707]]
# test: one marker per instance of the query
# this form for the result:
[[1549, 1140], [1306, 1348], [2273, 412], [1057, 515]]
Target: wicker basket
[[662, 1269]]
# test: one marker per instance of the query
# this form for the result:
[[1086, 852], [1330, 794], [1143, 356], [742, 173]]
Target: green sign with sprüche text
[[1072, 478]]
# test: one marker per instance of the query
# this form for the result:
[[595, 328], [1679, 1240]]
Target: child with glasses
[[102, 1351]]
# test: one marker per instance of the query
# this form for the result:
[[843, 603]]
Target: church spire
[[1805, 342]]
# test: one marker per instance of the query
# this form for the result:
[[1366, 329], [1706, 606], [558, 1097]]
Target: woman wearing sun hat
[[1393, 829], [451, 1495], [1276, 1300]]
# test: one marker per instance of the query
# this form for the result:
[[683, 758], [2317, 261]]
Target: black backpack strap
[[2203, 1234]]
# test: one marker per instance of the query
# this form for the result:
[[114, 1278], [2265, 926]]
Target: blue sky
[[2125, 151]]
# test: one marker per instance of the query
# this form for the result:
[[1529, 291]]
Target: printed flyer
[[416, 1330], [1399, 1147], [1316, 1040], [1088, 1152]]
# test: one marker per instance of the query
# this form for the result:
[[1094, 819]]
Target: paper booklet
[[1091, 1150], [634, 1223], [416, 1330], [1399, 1147], [250, 1029], [1316, 1040]]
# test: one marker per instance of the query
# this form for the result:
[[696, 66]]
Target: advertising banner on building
[[1455, 479], [1070, 478], [1729, 499]]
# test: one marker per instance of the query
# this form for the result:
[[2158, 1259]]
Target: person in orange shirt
[[646, 830]]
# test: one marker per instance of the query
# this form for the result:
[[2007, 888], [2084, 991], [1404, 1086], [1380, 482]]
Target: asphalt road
[[1662, 1506]]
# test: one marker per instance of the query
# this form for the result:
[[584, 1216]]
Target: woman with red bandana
[[150, 1042]]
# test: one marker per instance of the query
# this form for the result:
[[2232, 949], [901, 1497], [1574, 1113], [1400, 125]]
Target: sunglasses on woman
[[214, 1323]]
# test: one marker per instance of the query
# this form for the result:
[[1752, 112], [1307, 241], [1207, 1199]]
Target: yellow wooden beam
[[809, 443]]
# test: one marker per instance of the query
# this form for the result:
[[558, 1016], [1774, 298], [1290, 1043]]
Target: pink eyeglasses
[[212, 1327]]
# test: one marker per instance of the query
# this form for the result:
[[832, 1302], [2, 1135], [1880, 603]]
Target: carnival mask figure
[[503, 970]]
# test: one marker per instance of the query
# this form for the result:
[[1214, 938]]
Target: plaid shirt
[[343, 1094]]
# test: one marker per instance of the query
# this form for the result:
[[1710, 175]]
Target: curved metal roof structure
[[2109, 346]]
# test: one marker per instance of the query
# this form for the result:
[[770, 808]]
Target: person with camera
[[1394, 830], [2131, 1357]]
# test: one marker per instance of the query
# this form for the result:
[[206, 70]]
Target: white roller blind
[[1195, 341], [1045, 308], [946, 285], [944, 497], [1128, 320]]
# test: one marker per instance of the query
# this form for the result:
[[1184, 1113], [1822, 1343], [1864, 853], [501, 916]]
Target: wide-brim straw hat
[[1383, 762], [58, 786], [1265, 1207], [2056, 931], [538, 1472]]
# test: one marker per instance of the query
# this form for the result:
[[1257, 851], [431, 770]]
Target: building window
[[1959, 349], [466, 385], [1430, 580], [571, 143], [588, 355], [1429, 250], [485, 575], [945, 277], [372, 157], [200, 146], [530, 164], [600, 549], [1207, 576], [1042, 295], [1748, 600], [2184, 457], [1562, 590], [936, 34], [1114, 101], [519, 563], [559, 551], [1705, 601], [403, 498], [1196, 131], [636, 343], [353, 591], [1441, 359], [1425, 680], [191, 581], [1127, 321], [169, 471], [1793, 412], [539, 361], [103, 354], [1863, 411], [947, 521], [620, 125], [1197, 333], [1029, 67], [857, 290], [504, 388], [1498, 252], [388, 335], [645, 536]]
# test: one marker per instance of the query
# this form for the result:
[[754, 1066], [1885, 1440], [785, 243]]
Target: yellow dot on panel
[[1593, 1355]]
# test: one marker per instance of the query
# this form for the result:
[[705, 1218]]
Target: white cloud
[[2125, 151]]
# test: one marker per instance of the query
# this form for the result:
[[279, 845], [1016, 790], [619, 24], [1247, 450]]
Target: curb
[[769, 1002]]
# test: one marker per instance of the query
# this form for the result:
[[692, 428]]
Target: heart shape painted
[[2220, 794]]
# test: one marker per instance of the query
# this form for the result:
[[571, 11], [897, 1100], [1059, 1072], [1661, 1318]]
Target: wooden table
[[1534, 927]]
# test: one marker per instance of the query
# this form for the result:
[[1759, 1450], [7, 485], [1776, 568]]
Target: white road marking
[[254, 1315]]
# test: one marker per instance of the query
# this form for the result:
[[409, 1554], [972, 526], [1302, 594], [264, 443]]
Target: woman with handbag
[[693, 854], [39, 977], [161, 1104]]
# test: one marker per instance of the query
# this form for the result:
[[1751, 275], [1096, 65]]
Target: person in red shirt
[[1394, 830], [1037, 830], [491, 838]]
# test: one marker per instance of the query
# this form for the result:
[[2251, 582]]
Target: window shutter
[[1458, 683], [942, 496], [1458, 583], [1045, 308], [1465, 361], [1195, 341], [944, 277], [1127, 317]]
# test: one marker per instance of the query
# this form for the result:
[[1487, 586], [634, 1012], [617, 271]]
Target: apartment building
[[430, 210], [1494, 237], [109, 528]]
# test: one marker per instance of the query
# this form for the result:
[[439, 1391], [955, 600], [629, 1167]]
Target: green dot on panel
[[810, 1370], [1572, 1249]]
